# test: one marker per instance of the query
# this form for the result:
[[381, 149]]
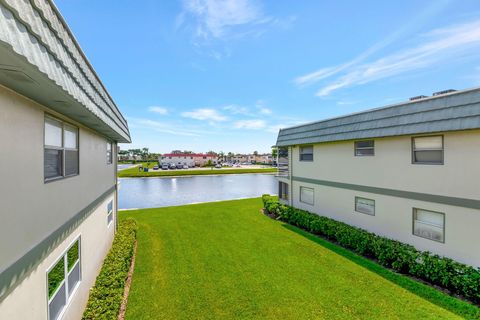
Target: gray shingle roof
[[454, 111]]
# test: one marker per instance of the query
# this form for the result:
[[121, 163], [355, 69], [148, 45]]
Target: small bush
[[107, 294], [459, 278]]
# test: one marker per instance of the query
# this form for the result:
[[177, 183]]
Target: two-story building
[[409, 171], [58, 185], [188, 159]]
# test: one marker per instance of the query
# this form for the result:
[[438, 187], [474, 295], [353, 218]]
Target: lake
[[162, 192]]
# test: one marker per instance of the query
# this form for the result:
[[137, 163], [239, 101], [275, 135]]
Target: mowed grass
[[226, 260], [134, 172]]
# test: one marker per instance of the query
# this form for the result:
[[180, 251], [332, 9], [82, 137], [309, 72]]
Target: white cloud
[[438, 46], [250, 124], [164, 127], [204, 114], [265, 111], [234, 109], [216, 17], [160, 110]]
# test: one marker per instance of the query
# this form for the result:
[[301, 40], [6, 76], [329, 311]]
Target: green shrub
[[107, 294], [459, 278]]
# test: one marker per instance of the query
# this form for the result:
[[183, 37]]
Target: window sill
[[429, 163], [45, 181]]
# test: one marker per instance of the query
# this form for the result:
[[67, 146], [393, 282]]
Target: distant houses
[[265, 158], [202, 159], [188, 159]]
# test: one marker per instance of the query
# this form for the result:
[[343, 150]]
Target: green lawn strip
[[225, 260], [134, 172], [457, 306]]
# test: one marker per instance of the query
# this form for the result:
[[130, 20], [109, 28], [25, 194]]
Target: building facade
[[408, 172], [58, 190], [189, 159]]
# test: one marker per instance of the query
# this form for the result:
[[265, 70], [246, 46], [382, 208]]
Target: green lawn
[[226, 260], [134, 172]]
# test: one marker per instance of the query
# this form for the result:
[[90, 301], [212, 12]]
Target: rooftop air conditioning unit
[[439, 93], [418, 97]]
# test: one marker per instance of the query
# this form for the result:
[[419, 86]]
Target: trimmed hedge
[[459, 278], [107, 294]]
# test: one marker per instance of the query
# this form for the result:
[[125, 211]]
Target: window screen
[[364, 205], [429, 224], [306, 195], [60, 149], [306, 153], [364, 148], [427, 150]]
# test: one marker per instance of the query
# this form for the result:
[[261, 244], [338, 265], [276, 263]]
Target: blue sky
[[226, 75]]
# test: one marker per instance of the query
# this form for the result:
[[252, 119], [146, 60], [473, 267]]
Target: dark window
[[60, 149], [364, 148], [306, 153], [52, 163], [427, 150], [283, 190]]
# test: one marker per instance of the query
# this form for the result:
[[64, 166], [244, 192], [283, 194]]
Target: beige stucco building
[[409, 172], [58, 189]]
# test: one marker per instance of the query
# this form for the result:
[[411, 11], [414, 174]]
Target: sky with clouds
[[227, 75]]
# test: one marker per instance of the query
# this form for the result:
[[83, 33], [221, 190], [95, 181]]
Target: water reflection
[[161, 192]]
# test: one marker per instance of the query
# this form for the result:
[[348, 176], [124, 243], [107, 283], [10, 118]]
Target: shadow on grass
[[443, 300]]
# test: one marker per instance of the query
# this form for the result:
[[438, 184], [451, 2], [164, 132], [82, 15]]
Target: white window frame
[[313, 195], [63, 149], [69, 297], [414, 213], [109, 152], [301, 153], [109, 214], [414, 150], [364, 212]]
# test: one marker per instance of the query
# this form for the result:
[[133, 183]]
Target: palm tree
[[221, 156]]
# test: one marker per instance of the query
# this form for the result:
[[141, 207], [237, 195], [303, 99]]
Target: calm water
[[162, 192], [124, 166]]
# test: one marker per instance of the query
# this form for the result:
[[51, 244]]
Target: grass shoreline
[[134, 173]]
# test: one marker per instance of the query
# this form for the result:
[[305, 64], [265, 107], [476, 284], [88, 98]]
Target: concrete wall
[[29, 299], [391, 168], [32, 209]]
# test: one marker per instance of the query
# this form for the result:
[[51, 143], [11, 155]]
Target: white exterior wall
[[179, 160], [29, 300], [392, 168], [33, 210]]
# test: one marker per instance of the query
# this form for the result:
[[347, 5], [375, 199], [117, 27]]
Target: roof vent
[[418, 97], [439, 93]]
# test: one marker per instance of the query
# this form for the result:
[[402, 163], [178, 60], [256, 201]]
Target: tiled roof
[[459, 110]]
